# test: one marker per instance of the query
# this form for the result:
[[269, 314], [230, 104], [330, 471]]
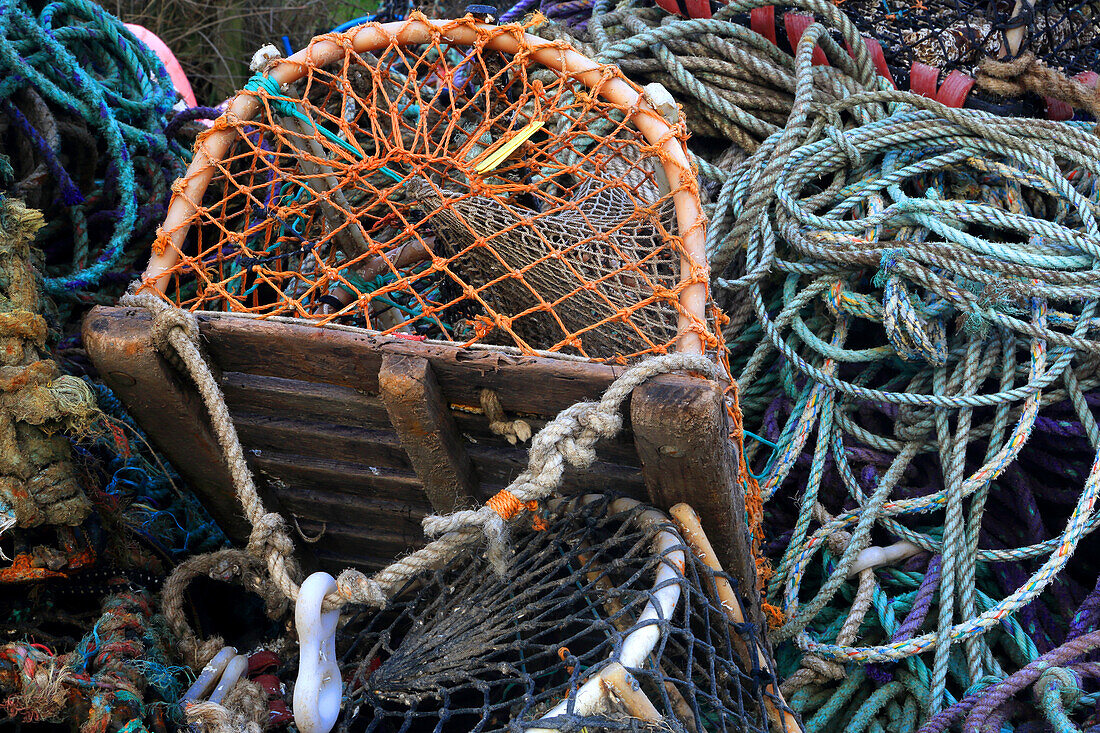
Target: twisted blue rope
[[86, 63]]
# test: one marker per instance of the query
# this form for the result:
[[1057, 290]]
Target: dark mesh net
[[465, 649], [958, 34], [590, 239]]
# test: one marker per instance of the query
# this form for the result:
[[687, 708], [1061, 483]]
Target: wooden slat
[[267, 433], [340, 477], [427, 431], [319, 505], [334, 562], [529, 384], [682, 433], [496, 468], [169, 410], [351, 540], [321, 402], [346, 406]]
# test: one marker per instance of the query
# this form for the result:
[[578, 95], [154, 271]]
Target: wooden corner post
[[681, 432]]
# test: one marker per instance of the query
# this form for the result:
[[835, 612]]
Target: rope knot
[[358, 588], [166, 320], [269, 532], [508, 506], [603, 423], [1008, 75], [887, 260], [512, 430], [834, 130], [1062, 680], [1028, 73], [577, 452], [170, 319]]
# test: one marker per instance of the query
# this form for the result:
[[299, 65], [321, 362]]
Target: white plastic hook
[[210, 674], [319, 688]]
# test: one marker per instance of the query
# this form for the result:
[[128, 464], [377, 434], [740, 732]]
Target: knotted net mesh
[[446, 190], [958, 34], [463, 648]]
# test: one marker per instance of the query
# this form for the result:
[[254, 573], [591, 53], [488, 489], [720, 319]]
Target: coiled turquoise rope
[[87, 66]]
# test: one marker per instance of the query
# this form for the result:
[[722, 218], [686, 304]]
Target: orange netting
[[446, 180]]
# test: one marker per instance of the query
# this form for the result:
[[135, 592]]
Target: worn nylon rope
[[916, 303]]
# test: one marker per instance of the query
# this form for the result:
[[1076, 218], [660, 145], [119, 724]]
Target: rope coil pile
[[919, 283], [86, 116], [911, 293]]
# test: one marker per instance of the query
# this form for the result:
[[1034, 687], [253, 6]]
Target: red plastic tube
[[762, 21], [796, 24]]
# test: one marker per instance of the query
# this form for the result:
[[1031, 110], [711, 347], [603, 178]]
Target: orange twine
[[754, 508], [508, 505], [563, 652]]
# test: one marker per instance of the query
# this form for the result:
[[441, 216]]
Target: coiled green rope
[[92, 104], [924, 283]]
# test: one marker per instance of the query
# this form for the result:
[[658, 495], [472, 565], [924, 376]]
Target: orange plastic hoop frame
[[418, 29]]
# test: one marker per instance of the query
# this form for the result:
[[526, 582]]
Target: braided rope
[[846, 227]]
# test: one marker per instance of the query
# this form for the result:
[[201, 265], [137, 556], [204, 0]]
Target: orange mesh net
[[447, 180]]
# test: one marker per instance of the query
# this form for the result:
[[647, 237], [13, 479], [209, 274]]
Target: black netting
[[465, 649], [958, 34]]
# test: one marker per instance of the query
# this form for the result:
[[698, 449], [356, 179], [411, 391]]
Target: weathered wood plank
[[353, 359], [263, 434], [346, 406], [291, 463], [427, 431], [682, 433], [168, 409], [339, 476], [352, 539], [320, 505], [328, 402], [335, 562]]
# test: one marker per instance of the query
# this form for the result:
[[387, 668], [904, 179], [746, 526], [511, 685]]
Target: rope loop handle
[[570, 438]]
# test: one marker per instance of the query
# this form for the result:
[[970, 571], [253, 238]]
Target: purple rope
[[980, 706], [70, 194], [190, 115], [922, 602], [1086, 615], [517, 10]]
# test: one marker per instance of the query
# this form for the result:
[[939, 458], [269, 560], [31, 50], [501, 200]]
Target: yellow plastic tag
[[502, 153]]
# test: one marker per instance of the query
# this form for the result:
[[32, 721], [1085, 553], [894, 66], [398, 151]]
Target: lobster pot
[[412, 245], [603, 583], [446, 180]]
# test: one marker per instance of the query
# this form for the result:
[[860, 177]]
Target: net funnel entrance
[[607, 582], [447, 180]]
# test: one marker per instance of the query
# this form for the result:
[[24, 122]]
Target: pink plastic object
[[796, 24], [1058, 110], [690, 8], [175, 71], [270, 683], [262, 662], [954, 89], [923, 79], [278, 713], [762, 21]]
